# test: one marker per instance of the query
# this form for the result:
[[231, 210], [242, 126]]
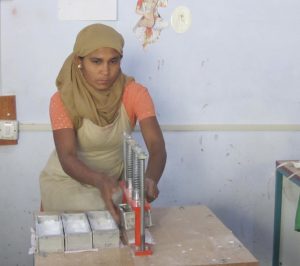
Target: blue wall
[[237, 64]]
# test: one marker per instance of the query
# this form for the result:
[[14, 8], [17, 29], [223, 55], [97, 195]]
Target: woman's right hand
[[108, 186]]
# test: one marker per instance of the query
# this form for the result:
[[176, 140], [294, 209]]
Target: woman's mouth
[[102, 81]]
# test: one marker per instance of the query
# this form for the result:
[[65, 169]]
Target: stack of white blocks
[[75, 231]]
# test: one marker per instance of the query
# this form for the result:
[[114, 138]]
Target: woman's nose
[[105, 69]]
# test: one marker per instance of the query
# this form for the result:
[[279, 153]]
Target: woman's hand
[[151, 189], [108, 186]]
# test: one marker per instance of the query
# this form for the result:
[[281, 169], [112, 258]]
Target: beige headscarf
[[80, 99]]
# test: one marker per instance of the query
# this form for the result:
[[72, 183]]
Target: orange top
[[136, 100]]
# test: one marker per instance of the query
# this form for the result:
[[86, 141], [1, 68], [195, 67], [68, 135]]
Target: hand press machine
[[135, 210]]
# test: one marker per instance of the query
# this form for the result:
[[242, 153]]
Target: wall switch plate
[[8, 129]]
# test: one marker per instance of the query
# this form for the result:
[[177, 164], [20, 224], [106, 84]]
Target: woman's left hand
[[152, 190]]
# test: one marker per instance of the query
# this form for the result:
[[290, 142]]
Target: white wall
[[238, 64]]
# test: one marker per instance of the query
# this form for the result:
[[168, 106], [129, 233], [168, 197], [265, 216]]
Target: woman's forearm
[[156, 163], [75, 168], [65, 143]]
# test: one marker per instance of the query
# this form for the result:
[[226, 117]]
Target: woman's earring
[[79, 66]]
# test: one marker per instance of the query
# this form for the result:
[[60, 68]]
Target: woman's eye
[[95, 61], [115, 61]]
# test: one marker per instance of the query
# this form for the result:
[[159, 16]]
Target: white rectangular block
[[128, 217], [49, 233], [105, 231], [78, 234]]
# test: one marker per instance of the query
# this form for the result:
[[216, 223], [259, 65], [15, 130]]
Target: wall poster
[[150, 25]]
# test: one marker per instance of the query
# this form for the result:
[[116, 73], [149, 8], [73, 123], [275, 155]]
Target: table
[[186, 235], [283, 168]]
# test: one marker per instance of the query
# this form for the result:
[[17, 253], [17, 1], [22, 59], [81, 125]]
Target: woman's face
[[101, 67]]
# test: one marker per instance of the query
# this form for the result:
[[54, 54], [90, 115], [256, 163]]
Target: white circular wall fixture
[[181, 19]]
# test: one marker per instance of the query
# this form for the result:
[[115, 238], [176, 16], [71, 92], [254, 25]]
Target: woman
[[94, 105]]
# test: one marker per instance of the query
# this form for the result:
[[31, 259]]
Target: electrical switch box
[[8, 129], [8, 120]]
